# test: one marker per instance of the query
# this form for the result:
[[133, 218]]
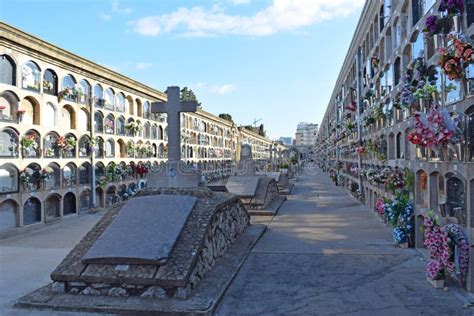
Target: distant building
[[286, 140], [306, 134]]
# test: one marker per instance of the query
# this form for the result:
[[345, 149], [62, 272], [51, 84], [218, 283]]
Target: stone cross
[[176, 173], [173, 107]]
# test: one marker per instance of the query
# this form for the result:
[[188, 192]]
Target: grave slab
[[243, 186], [142, 233]]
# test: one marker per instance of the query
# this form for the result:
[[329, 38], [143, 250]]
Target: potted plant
[[20, 113], [29, 145]]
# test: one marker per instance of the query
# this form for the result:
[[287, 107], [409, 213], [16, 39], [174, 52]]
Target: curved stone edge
[[203, 301]]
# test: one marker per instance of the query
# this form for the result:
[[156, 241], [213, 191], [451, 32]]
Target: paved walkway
[[326, 254]]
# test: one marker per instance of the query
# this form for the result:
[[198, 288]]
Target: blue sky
[[275, 60]]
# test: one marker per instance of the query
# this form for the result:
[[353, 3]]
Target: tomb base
[[216, 222]]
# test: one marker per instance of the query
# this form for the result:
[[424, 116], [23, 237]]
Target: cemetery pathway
[[326, 254]]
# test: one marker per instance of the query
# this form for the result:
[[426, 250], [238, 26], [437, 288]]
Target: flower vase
[[437, 42], [404, 245], [457, 23], [434, 95], [437, 284], [20, 116]]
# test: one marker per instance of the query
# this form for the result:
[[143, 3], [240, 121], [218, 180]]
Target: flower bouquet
[[455, 57], [375, 61], [435, 128], [361, 150], [46, 173], [452, 7], [352, 106]]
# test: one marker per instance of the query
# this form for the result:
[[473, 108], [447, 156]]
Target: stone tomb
[[281, 177], [259, 193], [154, 263]]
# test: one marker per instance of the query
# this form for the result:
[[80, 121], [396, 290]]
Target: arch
[[9, 102], [138, 112], [69, 175], [154, 131], [8, 214], [110, 148], [129, 105], [109, 99], [31, 76], [31, 211], [85, 201], [98, 96], [110, 196], [84, 146], [30, 144], [31, 111], [69, 147], [54, 179], [99, 170], [84, 91], [8, 178], [123, 148], [83, 122], [398, 146], [120, 102], [68, 88], [456, 198], [69, 204], [98, 122], [130, 149], [7, 70], [146, 130], [100, 196], [68, 117], [121, 125], [9, 139], [30, 177], [109, 124], [146, 109], [52, 207], [99, 147], [421, 189], [160, 132], [50, 145], [85, 172], [50, 82]]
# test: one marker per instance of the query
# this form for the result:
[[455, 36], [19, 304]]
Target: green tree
[[226, 117], [261, 131], [189, 95]]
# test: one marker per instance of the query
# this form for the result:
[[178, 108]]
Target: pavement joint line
[[327, 254]]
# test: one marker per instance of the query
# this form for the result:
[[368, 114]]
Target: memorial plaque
[[144, 231], [243, 186]]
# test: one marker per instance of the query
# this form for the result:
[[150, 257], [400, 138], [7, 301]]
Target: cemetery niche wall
[[398, 129]]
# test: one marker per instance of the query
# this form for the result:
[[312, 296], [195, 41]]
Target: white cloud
[[239, 2], [143, 65], [279, 16], [223, 89], [117, 8], [219, 89], [105, 17]]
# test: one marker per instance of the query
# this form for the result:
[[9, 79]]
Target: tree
[[249, 127], [188, 95], [261, 131], [226, 117]]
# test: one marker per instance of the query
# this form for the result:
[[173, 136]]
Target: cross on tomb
[[176, 173], [173, 107]]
